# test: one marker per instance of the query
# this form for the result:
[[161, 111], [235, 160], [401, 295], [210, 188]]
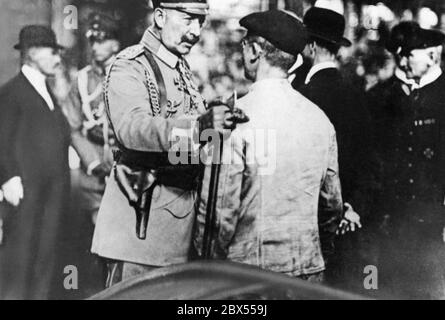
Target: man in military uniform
[[91, 136], [152, 101], [412, 129], [88, 116]]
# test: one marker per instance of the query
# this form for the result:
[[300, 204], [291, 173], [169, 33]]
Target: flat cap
[[408, 35], [102, 27], [280, 28], [199, 7]]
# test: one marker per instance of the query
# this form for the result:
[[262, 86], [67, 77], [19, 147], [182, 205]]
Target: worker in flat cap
[[282, 162], [412, 142], [326, 86], [35, 176], [147, 214]]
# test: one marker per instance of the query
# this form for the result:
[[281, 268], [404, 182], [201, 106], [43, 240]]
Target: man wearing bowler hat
[[412, 134], [282, 162], [147, 214], [343, 105], [34, 141]]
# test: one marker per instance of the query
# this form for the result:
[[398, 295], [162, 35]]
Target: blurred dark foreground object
[[219, 281]]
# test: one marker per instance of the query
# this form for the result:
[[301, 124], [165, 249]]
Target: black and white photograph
[[222, 150]]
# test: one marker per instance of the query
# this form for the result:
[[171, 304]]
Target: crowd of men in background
[[344, 158]]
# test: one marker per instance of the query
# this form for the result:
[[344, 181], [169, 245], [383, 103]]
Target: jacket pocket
[[180, 207]]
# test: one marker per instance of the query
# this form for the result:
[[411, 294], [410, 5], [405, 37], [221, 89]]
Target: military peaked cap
[[200, 7], [102, 27], [408, 35]]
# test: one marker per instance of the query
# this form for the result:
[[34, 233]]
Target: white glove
[[13, 191], [350, 222]]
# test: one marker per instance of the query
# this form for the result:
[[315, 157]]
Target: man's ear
[[159, 18], [116, 46], [257, 51]]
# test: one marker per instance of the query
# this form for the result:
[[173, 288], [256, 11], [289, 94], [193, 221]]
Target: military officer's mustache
[[192, 40]]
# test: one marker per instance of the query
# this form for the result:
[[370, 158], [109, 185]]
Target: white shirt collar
[[318, 67], [34, 75], [38, 81]]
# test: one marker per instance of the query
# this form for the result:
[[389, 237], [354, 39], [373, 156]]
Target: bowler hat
[[200, 7], [327, 25], [37, 36], [280, 28], [408, 35], [102, 27]]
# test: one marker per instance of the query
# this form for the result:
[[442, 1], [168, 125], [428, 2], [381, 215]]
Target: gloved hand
[[218, 117], [13, 191], [350, 222], [102, 170]]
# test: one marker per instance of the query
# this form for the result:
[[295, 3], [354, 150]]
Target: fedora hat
[[327, 25], [37, 36]]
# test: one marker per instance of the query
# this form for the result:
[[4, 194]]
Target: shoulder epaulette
[[131, 53]]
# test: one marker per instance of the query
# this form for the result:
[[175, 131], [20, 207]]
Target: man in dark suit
[[328, 89], [34, 141]]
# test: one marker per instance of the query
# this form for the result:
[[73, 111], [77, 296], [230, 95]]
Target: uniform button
[[413, 197], [410, 165], [411, 181], [410, 149], [411, 133]]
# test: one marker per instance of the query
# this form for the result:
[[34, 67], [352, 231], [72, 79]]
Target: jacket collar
[[319, 67], [154, 44]]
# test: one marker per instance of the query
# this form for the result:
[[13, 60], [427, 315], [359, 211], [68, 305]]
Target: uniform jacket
[[91, 149], [276, 169], [413, 136], [136, 128]]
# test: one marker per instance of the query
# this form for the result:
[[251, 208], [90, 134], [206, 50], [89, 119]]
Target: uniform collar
[[318, 67], [427, 79], [154, 44], [430, 77]]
